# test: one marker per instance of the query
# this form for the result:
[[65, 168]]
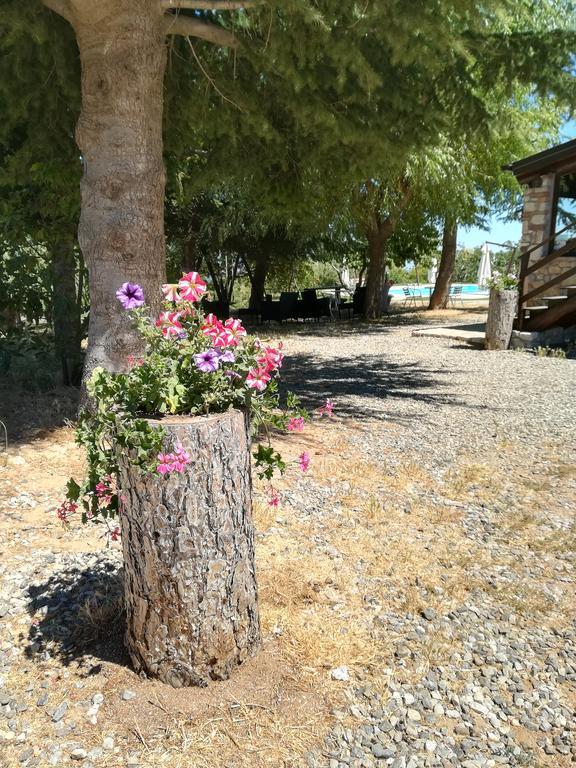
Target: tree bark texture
[[258, 280], [440, 294], [190, 583], [119, 133], [501, 313], [66, 311], [376, 285]]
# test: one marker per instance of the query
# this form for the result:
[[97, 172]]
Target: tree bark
[[119, 133], [501, 313], [188, 543], [258, 277], [66, 311], [439, 296], [191, 258], [376, 304]]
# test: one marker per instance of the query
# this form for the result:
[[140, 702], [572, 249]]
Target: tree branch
[[207, 5], [187, 26]]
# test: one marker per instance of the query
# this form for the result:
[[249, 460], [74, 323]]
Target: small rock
[[429, 614], [23, 757], [128, 695], [340, 673], [59, 712], [79, 754], [108, 742], [414, 715]]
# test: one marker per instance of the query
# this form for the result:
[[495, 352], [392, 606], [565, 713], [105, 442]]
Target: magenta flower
[[207, 361], [326, 409], [274, 498], [130, 295], [115, 534], [296, 424], [164, 464], [304, 460], [65, 509], [172, 462]]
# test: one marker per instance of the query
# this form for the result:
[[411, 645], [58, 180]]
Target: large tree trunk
[[439, 296], [119, 133], [376, 303], [190, 582], [66, 311], [258, 280]]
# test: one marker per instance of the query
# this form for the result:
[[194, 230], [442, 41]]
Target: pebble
[[340, 673], [60, 711], [128, 695]]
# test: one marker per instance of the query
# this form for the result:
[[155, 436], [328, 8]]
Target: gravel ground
[[477, 664], [506, 694]]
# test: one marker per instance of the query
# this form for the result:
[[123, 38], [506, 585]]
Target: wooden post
[[501, 313], [190, 583]]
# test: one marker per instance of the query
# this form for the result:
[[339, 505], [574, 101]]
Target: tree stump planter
[[501, 313], [188, 541]]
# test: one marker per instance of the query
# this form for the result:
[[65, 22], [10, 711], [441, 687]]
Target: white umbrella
[[432, 272], [485, 268]]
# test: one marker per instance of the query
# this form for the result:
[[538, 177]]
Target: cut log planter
[[190, 582], [501, 313]]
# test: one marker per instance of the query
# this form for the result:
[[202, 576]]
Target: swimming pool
[[473, 290]]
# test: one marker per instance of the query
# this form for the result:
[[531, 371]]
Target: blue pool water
[[469, 289]]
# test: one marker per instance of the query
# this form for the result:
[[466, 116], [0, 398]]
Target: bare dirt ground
[[429, 552]]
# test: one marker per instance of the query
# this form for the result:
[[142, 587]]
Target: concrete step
[[570, 290], [553, 301]]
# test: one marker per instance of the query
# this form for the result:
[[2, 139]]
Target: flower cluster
[[66, 509], [327, 408], [172, 462], [193, 364], [503, 281]]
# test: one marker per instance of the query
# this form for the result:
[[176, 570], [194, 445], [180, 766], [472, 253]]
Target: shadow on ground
[[32, 416], [81, 615], [362, 384]]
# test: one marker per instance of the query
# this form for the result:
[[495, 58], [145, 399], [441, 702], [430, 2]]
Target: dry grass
[[392, 541]]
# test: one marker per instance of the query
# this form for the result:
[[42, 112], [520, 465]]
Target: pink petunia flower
[[296, 424], [270, 359], [171, 291], [191, 286], [170, 324], [304, 461], [224, 338], [258, 379], [235, 330]]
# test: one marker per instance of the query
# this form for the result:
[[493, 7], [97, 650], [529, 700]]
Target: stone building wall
[[536, 226]]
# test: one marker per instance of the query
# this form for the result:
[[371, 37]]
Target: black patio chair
[[288, 305], [313, 307]]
